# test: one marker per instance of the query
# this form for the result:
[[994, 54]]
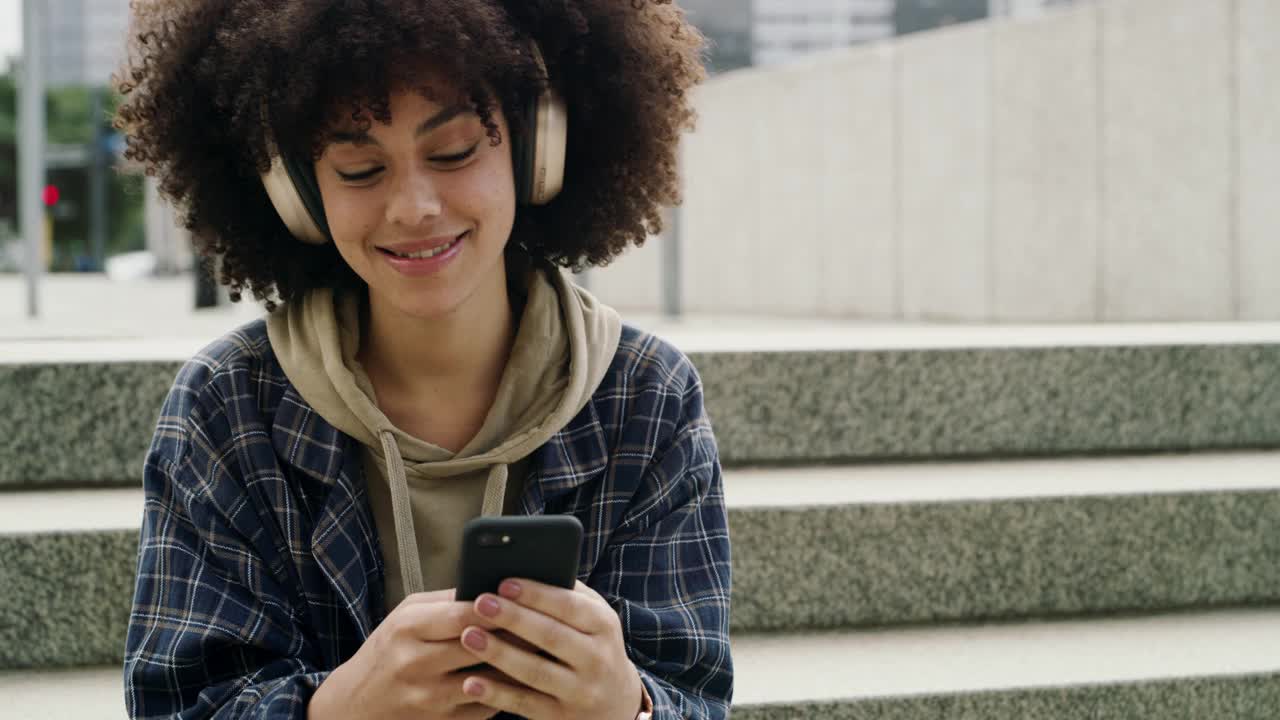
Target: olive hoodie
[[421, 494]]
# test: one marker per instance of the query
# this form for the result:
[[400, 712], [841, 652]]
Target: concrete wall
[[1258, 153], [1167, 244], [1115, 160], [859, 259], [944, 170], [1045, 170]]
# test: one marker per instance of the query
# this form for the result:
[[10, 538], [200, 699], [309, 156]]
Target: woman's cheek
[[494, 186], [354, 219]]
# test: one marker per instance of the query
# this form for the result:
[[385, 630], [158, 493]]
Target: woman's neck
[[458, 354]]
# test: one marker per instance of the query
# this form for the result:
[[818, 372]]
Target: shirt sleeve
[[210, 634], [670, 576]]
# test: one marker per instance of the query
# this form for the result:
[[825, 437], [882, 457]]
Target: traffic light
[[50, 195]]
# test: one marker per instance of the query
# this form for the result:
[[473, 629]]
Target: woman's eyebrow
[[431, 123]]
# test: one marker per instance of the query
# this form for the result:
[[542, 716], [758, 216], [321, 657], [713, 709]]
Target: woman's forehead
[[427, 119], [437, 103]]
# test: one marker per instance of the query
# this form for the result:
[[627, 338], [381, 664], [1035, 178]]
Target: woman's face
[[421, 208]]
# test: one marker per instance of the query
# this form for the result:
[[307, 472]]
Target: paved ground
[[93, 307], [83, 314]]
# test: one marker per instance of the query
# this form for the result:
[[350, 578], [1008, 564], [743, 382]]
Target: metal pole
[[31, 147], [672, 299], [672, 302], [206, 284], [98, 185]]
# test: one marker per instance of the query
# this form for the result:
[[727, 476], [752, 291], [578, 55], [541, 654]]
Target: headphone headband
[[538, 157]]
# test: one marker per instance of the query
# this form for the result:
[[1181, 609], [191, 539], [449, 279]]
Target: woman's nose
[[414, 199]]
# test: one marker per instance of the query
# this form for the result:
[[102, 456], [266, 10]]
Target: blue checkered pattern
[[259, 569]]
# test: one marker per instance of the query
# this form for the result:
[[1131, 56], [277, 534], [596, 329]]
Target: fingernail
[[509, 589], [473, 687], [488, 606], [475, 640]]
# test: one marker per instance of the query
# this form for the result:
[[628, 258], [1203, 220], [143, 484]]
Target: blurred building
[[1024, 8], [84, 40], [911, 16], [784, 29], [727, 25]]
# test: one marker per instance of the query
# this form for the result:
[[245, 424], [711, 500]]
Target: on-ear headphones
[[537, 156]]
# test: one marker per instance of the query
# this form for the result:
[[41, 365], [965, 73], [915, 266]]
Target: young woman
[[393, 178]]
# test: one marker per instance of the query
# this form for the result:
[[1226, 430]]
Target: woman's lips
[[419, 246], [427, 265]]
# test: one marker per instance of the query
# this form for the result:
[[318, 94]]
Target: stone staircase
[[947, 523]]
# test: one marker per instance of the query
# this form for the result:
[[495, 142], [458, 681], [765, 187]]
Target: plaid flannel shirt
[[259, 569]]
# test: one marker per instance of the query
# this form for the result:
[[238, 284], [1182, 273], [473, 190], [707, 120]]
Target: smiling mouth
[[430, 252]]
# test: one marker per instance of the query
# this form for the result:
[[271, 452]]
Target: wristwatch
[[646, 704]]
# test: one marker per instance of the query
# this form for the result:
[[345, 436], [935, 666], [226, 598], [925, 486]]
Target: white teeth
[[423, 254]]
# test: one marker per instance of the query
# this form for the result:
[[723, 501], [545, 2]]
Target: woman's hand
[[409, 667], [588, 675]]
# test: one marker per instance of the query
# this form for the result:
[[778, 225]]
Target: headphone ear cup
[[550, 135], [522, 154], [289, 204], [540, 155]]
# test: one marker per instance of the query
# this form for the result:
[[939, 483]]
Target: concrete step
[[813, 548], [819, 396], [1220, 664]]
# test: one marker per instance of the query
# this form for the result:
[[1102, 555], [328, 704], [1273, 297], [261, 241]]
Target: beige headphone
[[538, 160]]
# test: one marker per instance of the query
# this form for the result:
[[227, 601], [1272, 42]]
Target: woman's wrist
[[646, 703], [323, 704]]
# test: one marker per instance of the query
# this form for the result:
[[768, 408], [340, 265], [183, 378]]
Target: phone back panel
[[544, 548]]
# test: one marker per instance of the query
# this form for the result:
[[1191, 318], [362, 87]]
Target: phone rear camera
[[493, 540]]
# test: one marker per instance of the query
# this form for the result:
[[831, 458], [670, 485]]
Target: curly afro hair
[[210, 85]]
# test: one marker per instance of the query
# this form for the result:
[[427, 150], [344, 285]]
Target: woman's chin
[[435, 297], [434, 307]]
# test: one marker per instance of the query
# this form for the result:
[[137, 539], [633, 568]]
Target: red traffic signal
[[50, 195]]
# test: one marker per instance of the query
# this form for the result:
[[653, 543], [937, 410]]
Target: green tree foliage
[[69, 115], [69, 120], [8, 148]]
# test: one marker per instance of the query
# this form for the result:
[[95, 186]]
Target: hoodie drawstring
[[406, 538], [495, 492]]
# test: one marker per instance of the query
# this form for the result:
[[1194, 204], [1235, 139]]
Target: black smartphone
[[538, 547]]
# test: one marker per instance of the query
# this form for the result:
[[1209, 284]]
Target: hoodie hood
[[564, 345]]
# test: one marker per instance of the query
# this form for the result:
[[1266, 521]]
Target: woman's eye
[[357, 177], [450, 159], [443, 159]]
